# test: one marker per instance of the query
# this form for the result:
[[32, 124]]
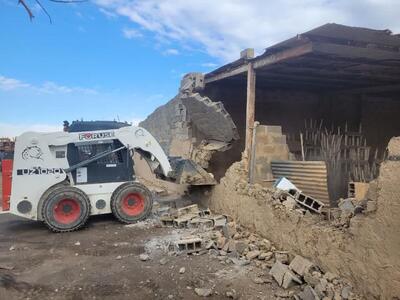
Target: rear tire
[[131, 202], [66, 209]]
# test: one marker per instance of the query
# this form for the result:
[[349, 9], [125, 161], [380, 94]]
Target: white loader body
[[40, 162]]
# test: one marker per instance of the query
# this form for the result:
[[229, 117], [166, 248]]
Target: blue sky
[[84, 65], [109, 59]]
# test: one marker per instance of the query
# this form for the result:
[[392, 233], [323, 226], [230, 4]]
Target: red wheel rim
[[133, 204], [67, 211]]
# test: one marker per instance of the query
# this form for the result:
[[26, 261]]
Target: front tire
[[131, 202], [66, 209]]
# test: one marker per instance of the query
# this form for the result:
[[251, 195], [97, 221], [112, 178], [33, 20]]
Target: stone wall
[[366, 253]]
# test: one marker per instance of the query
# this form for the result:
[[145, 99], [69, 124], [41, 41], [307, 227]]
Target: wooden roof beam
[[262, 61]]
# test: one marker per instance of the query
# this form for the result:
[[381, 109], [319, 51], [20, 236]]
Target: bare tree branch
[[45, 11], [28, 10]]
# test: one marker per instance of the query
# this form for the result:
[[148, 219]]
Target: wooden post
[[250, 111]]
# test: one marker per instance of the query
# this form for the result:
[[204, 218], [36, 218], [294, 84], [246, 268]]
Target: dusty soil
[[102, 261]]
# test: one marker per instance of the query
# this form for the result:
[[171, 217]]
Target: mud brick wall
[[270, 145], [367, 253]]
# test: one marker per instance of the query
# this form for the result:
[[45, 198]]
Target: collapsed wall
[[366, 253], [192, 126]]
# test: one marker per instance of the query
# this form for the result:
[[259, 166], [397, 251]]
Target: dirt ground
[[102, 261]]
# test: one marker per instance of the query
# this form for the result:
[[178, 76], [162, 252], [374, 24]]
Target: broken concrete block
[[191, 209], [308, 294], [253, 254], [167, 221], [184, 220], [205, 213], [283, 275], [219, 221], [278, 271], [201, 222], [210, 245], [282, 256], [290, 279], [300, 265]]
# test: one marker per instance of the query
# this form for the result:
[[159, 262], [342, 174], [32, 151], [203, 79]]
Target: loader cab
[[115, 167]]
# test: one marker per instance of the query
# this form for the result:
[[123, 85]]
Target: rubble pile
[[279, 199], [349, 207], [294, 201], [199, 232]]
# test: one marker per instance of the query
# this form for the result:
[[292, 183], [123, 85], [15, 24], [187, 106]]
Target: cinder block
[[265, 149], [279, 139], [167, 221], [189, 245], [273, 129], [219, 221], [307, 201], [201, 222], [191, 209], [184, 220]]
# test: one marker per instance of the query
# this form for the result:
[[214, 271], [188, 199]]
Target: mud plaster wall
[[367, 253]]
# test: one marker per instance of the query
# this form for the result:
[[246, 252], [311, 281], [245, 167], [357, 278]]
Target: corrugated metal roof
[[309, 176]]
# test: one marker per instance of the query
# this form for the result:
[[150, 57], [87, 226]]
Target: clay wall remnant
[[366, 253]]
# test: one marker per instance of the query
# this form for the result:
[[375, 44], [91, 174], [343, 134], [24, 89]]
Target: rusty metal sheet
[[309, 176]]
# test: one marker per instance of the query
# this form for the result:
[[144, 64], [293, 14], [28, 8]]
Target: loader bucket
[[188, 172]]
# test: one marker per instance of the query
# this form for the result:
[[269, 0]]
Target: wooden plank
[[262, 61], [250, 109], [235, 71]]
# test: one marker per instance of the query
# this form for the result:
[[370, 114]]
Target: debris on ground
[[203, 292], [232, 244]]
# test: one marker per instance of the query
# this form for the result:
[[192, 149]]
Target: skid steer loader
[[63, 178]]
